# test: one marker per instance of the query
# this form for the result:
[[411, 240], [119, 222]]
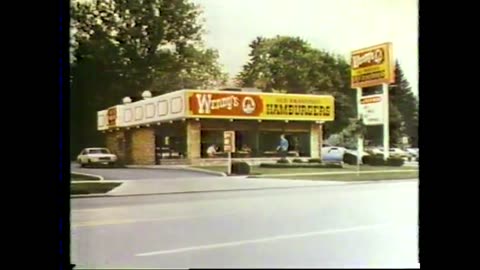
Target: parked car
[[397, 152], [332, 153], [374, 150], [413, 152], [96, 156], [340, 154]]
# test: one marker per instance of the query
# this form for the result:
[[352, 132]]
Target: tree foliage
[[403, 110], [407, 104], [291, 65], [122, 47]]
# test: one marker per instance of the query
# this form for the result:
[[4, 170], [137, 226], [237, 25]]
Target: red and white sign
[[371, 109], [225, 104], [112, 117], [265, 106]]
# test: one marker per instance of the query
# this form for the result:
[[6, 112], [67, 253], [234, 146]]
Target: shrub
[[350, 159], [367, 159], [376, 160], [314, 160], [297, 160], [331, 165], [301, 165], [283, 161], [120, 163], [395, 161], [240, 168]]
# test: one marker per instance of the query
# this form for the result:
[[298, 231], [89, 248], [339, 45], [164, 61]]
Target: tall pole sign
[[373, 66], [229, 147]]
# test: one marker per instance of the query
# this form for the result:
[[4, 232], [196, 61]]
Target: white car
[[413, 152], [399, 153], [332, 153], [375, 150], [96, 156], [337, 153]]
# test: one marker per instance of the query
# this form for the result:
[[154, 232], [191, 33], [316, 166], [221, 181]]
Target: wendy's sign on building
[[216, 104]]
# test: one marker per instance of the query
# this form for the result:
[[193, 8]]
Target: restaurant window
[[245, 144], [298, 143], [170, 142], [210, 138]]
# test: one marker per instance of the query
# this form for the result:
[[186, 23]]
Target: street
[[355, 225]]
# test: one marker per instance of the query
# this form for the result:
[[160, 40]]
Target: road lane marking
[[127, 221], [261, 240]]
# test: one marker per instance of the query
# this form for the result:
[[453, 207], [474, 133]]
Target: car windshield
[[98, 151]]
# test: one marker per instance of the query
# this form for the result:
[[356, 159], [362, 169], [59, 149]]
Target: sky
[[338, 26]]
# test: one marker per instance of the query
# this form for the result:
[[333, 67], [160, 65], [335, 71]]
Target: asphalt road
[[357, 225], [137, 173]]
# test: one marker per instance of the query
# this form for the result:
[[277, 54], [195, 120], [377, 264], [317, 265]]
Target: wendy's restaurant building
[[179, 127]]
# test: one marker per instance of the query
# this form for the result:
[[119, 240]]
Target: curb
[[92, 181], [331, 173], [186, 168], [206, 171], [340, 183], [96, 181], [99, 177]]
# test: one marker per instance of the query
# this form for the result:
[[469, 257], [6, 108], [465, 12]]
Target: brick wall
[[193, 139], [115, 142], [142, 146], [316, 140]]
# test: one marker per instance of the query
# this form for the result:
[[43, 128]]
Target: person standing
[[283, 146]]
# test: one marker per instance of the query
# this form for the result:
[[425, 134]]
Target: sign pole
[[229, 147], [229, 163], [359, 137], [386, 124], [373, 66]]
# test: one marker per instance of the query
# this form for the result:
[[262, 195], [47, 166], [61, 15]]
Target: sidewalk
[[213, 184], [177, 167], [193, 185]]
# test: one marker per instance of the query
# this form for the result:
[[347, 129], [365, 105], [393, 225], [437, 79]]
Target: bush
[[301, 165], [297, 160], [120, 164], [349, 159], [240, 168], [395, 161], [330, 165], [366, 159], [376, 160], [314, 160], [283, 161]]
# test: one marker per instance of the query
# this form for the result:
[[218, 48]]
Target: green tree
[[123, 47], [407, 104], [289, 64], [403, 109]]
